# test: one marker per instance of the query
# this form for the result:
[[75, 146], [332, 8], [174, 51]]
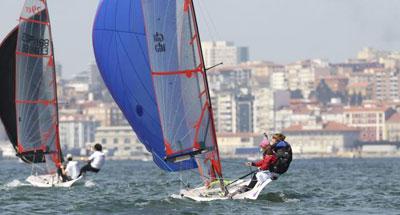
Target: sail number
[[32, 44], [32, 9], [159, 42]]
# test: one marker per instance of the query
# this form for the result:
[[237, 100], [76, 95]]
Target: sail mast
[[213, 167], [52, 63], [206, 86]]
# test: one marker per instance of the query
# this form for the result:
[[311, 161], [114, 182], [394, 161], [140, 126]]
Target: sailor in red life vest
[[269, 158]]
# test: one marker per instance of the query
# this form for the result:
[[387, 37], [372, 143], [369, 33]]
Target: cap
[[264, 143]]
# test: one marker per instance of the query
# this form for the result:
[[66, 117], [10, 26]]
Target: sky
[[282, 31]]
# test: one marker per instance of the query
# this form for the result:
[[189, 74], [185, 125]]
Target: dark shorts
[[88, 168]]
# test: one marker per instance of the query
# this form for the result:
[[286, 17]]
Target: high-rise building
[[224, 110], [385, 84], [225, 52], [244, 111]]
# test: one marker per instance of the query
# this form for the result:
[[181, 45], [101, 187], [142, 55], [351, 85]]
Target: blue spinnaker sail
[[120, 45]]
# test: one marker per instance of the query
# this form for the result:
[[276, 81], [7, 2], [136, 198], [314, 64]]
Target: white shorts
[[264, 175]]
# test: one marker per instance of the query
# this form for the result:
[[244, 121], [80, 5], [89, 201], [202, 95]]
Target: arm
[[266, 163], [258, 163], [89, 159]]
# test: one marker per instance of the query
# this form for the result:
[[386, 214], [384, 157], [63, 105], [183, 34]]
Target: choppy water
[[316, 186]]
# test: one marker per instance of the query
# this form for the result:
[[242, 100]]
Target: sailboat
[[29, 107], [149, 55]]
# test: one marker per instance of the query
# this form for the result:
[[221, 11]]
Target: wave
[[16, 183], [278, 197], [90, 183]]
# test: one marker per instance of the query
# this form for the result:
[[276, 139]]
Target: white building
[[121, 142], [279, 80], [263, 110], [228, 143], [325, 138], [223, 51], [302, 75], [269, 113], [224, 109], [76, 130]]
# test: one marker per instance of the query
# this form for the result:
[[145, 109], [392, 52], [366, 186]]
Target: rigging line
[[206, 23], [208, 19], [224, 178]]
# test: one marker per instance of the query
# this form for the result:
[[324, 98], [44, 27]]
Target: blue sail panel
[[120, 46]]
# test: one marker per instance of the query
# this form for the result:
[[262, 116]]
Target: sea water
[[311, 186]]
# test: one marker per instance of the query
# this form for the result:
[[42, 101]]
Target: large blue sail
[[120, 44]]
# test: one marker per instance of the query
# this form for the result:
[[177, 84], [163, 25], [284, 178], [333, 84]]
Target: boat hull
[[210, 194], [50, 181]]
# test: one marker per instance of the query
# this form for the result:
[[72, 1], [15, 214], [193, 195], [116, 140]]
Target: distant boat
[[149, 55], [28, 108]]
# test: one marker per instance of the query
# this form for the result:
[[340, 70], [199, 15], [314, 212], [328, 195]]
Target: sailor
[[95, 161], [61, 172], [72, 169], [269, 158], [283, 151]]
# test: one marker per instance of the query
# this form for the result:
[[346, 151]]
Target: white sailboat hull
[[206, 194], [50, 181]]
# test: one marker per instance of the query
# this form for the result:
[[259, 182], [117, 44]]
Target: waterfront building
[[120, 142], [77, 130], [370, 119], [321, 138], [393, 128], [228, 143]]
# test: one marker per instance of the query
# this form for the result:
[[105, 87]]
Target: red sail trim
[[44, 102], [168, 148], [20, 148], [197, 126], [181, 72], [202, 93], [196, 145], [51, 61], [31, 55], [33, 21], [193, 39], [40, 148], [186, 5]]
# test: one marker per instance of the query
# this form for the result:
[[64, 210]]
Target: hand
[[247, 163]]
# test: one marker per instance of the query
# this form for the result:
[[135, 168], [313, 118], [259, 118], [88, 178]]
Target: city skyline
[[285, 31]]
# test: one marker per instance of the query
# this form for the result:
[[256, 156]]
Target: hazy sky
[[276, 30]]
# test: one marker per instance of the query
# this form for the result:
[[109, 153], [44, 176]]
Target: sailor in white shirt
[[96, 160], [72, 169]]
